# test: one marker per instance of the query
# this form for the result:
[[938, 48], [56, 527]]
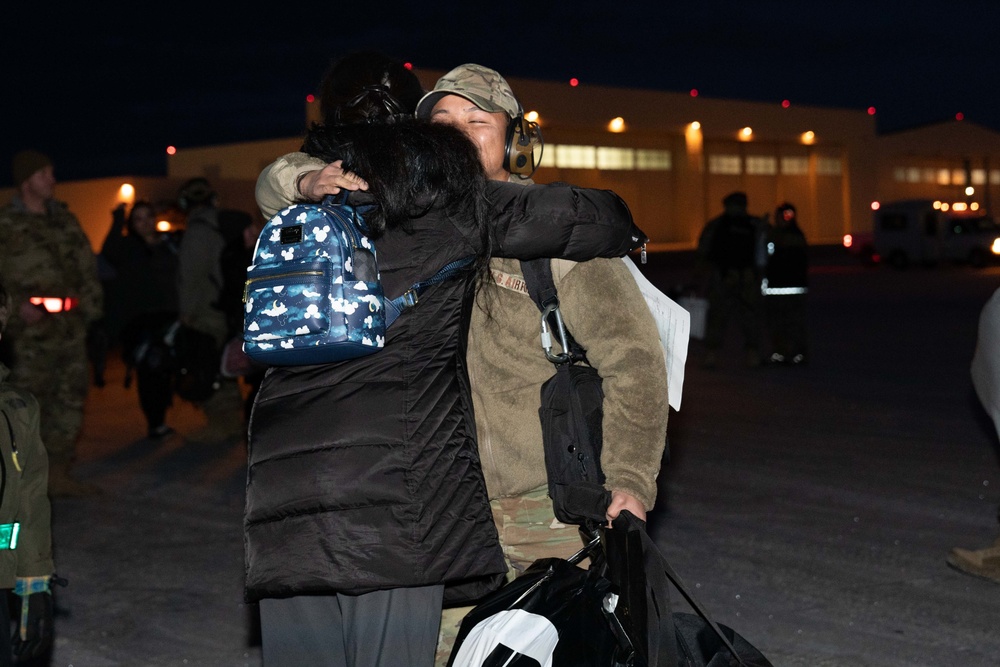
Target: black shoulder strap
[[542, 290], [538, 279]]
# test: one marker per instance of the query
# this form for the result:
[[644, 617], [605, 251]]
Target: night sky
[[105, 92]]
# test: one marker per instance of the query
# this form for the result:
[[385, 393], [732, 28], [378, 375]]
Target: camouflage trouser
[[528, 531], [56, 371]]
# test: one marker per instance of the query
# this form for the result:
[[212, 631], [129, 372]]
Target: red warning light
[[310, 98], [694, 92], [785, 104], [960, 116], [171, 150], [871, 111], [574, 82], [408, 65]]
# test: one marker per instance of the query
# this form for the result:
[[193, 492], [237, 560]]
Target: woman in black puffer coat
[[366, 505]]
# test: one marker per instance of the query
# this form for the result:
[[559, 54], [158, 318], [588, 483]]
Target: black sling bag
[[571, 412]]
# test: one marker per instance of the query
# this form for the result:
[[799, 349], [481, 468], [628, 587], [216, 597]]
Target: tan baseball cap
[[482, 86]]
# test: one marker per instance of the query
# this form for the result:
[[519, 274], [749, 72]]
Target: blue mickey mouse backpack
[[313, 293]]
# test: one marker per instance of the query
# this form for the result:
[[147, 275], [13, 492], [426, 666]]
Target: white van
[[918, 231]]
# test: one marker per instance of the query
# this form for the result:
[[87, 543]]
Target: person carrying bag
[[617, 611]]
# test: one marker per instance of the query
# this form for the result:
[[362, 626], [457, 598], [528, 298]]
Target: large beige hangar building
[[671, 156]]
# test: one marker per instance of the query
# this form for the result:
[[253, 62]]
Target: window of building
[[795, 166], [724, 164], [569, 156], [899, 174], [930, 176], [615, 158], [646, 158], [605, 157], [979, 177], [831, 166], [994, 176], [912, 175], [943, 177], [762, 165], [958, 177]]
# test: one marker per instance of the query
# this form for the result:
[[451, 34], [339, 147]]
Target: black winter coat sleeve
[[559, 220]]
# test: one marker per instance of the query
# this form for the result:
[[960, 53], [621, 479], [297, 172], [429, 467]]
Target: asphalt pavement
[[808, 508]]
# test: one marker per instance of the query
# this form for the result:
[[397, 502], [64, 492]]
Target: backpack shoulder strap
[[395, 307]]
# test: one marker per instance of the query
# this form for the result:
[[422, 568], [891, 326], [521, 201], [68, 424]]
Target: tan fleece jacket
[[604, 310]]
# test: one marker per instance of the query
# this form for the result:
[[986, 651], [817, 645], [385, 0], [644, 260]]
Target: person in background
[[985, 373], [785, 285], [729, 268], [26, 565], [236, 256], [205, 326], [142, 296], [600, 303], [50, 272]]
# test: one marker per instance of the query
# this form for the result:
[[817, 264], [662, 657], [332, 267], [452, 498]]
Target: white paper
[[674, 325]]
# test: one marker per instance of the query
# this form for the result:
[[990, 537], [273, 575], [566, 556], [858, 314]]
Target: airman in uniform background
[[50, 272]]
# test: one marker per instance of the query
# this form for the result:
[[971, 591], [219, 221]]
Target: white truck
[[918, 231]]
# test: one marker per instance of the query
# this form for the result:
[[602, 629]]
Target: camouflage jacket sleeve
[[277, 184], [607, 314]]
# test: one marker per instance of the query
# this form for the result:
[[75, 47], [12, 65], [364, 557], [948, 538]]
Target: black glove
[[33, 637]]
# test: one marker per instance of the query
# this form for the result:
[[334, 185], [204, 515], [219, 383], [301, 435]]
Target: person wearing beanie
[[50, 272], [26, 564], [26, 163], [785, 288]]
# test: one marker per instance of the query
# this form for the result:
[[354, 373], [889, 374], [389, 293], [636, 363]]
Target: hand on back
[[330, 180]]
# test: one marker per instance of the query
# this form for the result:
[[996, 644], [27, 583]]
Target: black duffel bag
[[615, 613], [642, 576], [196, 364]]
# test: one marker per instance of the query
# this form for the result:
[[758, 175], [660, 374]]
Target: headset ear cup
[[519, 150], [509, 152]]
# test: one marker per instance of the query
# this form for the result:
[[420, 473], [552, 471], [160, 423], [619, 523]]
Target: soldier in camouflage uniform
[[600, 303], [46, 256]]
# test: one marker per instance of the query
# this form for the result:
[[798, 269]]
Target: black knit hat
[[24, 165]]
